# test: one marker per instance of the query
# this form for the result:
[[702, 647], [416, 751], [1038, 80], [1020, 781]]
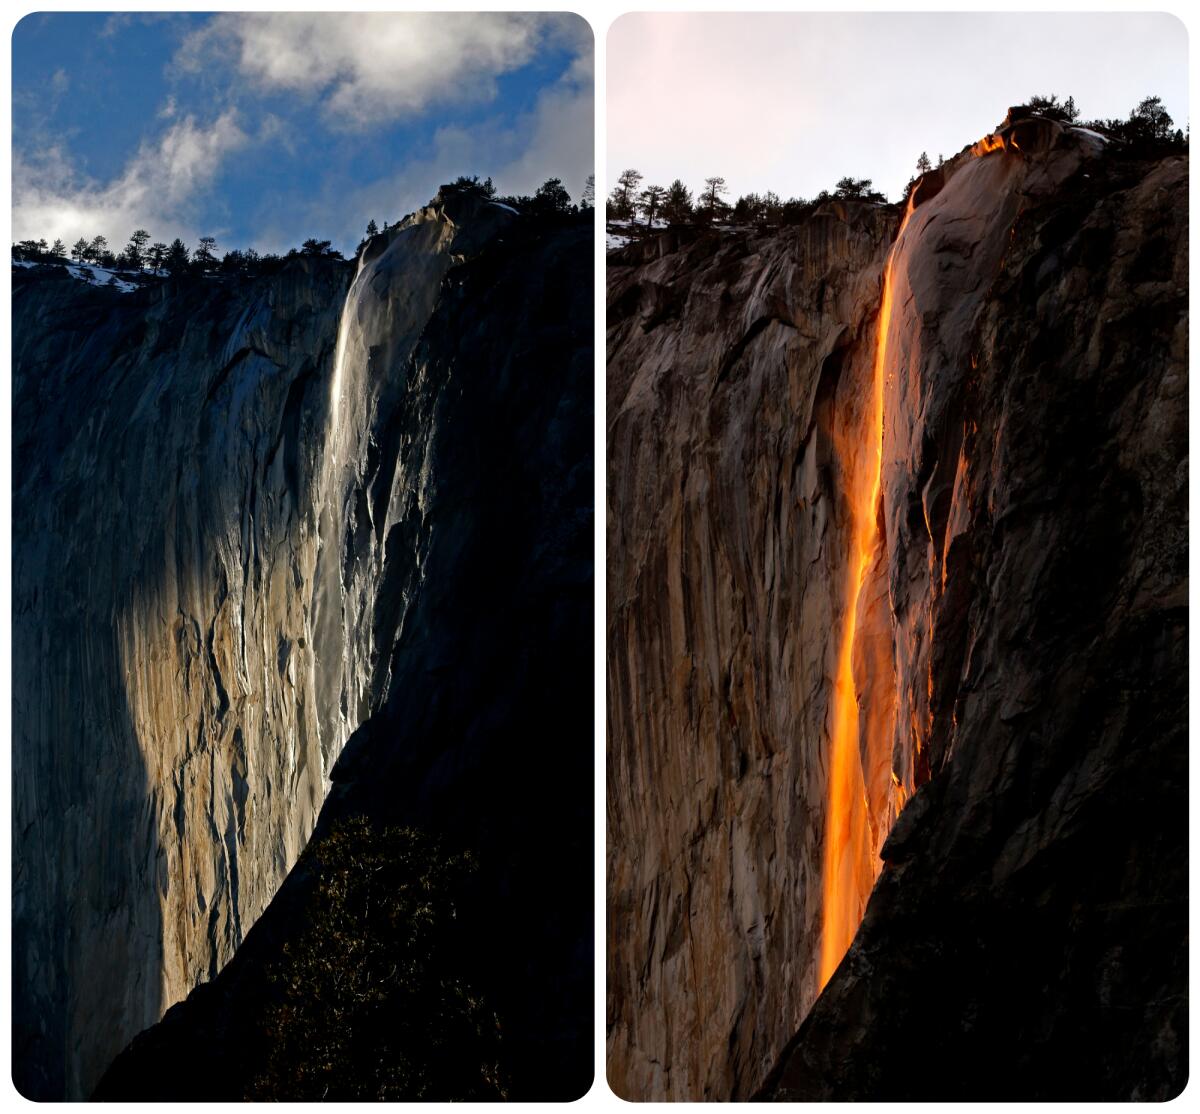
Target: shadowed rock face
[[256, 522], [725, 357], [167, 759], [1020, 663]]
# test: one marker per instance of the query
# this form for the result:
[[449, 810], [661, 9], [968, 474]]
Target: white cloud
[[156, 189], [369, 67], [555, 139], [558, 136], [353, 69]]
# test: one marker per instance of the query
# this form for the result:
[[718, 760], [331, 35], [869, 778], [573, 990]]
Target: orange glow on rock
[[988, 144], [849, 869]]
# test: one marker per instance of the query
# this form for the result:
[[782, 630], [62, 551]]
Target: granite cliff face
[[240, 518], [957, 432]]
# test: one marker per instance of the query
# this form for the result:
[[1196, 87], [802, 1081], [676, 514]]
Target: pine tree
[[745, 208], [551, 197], [1049, 106], [924, 166], [136, 248], [650, 202], [59, 249], [79, 250], [156, 257], [713, 189], [1151, 118], [96, 249], [177, 257], [622, 197], [588, 199], [372, 229], [677, 206], [205, 256]]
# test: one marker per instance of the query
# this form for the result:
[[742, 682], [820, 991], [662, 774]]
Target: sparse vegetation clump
[[370, 1002], [474, 186], [141, 261], [551, 198], [1048, 106], [1148, 131]]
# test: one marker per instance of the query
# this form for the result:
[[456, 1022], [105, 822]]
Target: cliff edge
[[957, 430]]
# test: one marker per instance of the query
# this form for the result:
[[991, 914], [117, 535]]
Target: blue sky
[[263, 129]]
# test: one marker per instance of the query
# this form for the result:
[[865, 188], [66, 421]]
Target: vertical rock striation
[[735, 365], [1032, 910], [477, 488], [168, 762], [1018, 663], [217, 493]]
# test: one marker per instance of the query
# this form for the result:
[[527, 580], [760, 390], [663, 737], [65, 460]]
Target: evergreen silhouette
[[650, 201], [621, 200], [135, 250], [177, 260], [677, 206]]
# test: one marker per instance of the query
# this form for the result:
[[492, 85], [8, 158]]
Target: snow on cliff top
[[93, 276]]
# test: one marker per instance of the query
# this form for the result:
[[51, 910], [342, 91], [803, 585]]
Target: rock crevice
[[1033, 441], [224, 503]]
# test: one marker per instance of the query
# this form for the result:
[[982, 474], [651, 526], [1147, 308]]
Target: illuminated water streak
[[339, 359], [849, 870]]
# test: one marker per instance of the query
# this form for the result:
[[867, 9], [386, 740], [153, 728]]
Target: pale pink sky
[[791, 102]]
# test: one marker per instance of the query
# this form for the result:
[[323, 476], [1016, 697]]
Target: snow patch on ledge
[[93, 276]]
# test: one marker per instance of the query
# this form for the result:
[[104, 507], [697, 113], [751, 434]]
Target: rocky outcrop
[[241, 516], [1019, 649]]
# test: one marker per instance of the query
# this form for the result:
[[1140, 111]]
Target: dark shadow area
[[86, 921], [485, 740], [1029, 931], [126, 466]]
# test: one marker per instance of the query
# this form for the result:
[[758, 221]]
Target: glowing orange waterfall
[[987, 145], [849, 870]]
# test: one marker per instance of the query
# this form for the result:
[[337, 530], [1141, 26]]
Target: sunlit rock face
[[1031, 912], [1019, 662], [735, 365], [473, 497], [168, 762], [217, 512]]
